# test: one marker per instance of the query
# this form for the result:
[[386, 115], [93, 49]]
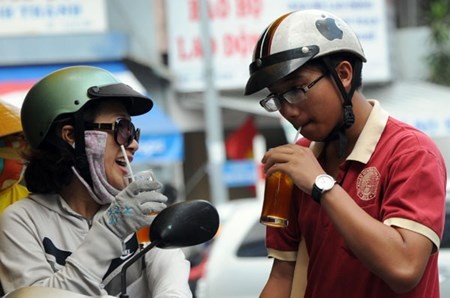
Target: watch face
[[325, 182]]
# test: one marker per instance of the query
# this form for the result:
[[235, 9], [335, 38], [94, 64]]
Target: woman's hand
[[133, 206]]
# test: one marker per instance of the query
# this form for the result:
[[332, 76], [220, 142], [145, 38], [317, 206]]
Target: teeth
[[121, 162]]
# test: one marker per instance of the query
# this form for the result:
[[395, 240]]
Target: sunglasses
[[124, 130]]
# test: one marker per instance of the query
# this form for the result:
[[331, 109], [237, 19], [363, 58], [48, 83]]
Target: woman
[[77, 227]]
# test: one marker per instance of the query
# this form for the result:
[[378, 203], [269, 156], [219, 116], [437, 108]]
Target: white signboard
[[235, 26], [25, 17]]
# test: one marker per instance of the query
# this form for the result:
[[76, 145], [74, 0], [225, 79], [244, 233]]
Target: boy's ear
[[345, 73]]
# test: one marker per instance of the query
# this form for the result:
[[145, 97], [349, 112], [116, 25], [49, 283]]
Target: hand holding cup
[[129, 211], [143, 234]]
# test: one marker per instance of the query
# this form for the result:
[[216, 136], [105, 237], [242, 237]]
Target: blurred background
[[193, 61], [203, 138]]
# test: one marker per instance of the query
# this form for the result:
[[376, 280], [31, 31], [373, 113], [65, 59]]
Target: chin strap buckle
[[349, 116]]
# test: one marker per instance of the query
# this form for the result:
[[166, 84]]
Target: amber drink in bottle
[[277, 200]]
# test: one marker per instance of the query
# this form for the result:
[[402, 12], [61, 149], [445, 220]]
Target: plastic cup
[[142, 175], [143, 234], [277, 200]]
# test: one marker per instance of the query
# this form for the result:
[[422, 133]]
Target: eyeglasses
[[124, 130], [272, 102]]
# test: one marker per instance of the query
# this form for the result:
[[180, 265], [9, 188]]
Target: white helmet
[[295, 38]]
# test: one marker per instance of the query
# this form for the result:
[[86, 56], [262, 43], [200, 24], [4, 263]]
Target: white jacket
[[43, 242]]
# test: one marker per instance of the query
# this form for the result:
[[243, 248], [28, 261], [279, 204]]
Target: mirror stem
[[131, 261]]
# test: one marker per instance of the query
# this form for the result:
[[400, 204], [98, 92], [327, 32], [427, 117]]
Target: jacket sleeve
[[23, 260], [167, 272]]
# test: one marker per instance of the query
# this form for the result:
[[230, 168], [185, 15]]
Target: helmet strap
[[349, 116], [81, 161]]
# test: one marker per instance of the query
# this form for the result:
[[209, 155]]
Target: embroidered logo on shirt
[[367, 183]]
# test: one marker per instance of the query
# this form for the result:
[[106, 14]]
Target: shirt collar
[[369, 137]]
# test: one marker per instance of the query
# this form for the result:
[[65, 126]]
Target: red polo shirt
[[398, 176]]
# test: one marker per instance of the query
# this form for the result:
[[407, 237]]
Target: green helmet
[[66, 91]]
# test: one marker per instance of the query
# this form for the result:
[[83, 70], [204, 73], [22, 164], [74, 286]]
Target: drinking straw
[[297, 135], [125, 156]]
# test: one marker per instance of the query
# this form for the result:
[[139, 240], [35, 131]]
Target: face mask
[[102, 192], [11, 164]]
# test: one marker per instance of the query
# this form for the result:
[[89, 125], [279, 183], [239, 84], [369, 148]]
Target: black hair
[[337, 58], [49, 168]]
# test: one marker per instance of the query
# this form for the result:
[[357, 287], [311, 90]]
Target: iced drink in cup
[[143, 235], [277, 200]]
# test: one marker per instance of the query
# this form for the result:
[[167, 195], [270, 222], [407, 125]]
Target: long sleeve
[[42, 248]]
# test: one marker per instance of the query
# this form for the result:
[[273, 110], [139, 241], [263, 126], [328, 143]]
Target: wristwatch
[[322, 184]]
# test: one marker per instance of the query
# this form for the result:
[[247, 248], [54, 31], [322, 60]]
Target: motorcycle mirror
[[185, 224], [179, 225]]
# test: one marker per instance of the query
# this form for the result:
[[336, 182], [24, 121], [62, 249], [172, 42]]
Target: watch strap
[[316, 194]]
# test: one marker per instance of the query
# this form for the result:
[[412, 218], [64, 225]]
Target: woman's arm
[[24, 261], [167, 272]]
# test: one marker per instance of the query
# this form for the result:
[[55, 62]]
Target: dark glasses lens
[[125, 132], [137, 134]]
